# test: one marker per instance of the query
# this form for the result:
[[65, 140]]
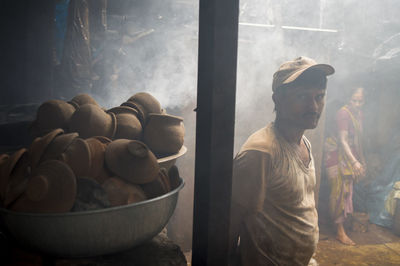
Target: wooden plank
[[218, 34]]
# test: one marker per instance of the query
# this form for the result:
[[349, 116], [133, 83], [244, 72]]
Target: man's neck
[[291, 133]]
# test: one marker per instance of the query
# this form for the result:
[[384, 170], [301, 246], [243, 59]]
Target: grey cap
[[291, 70]]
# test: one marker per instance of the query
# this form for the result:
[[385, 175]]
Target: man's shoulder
[[263, 140]]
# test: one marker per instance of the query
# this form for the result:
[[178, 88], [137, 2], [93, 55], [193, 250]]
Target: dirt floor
[[377, 246]]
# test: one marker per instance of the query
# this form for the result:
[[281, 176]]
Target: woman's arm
[[358, 168]]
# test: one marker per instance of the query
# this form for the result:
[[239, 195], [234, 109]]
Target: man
[[274, 220]]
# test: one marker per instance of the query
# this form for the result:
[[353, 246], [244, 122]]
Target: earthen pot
[[39, 145], [141, 112], [97, 151], [51, 115], [131, 160], [174, 177], [82, 99], [103, 139], [59, 144], [123, 110], [77, 156], [148, 101], [158, 187], [90, 120], [121, 193], [51, 189], [128, 123], [128, 127], [164, 134], [104, 172], [17, 171]]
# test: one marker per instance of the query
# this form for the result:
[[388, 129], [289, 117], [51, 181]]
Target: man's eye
[[320, 97]]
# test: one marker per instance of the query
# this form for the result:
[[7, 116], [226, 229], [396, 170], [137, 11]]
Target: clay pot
[[90, 120], [147, 101], [59, 144], [82, 99], [17, 171], [51, 115], [131, 160], [164, 134], [39, 145], [77, 156], [158, 187], [174, 177], [128, 124], [103, 139], [104, 172], [141, 113], [128, 127], [97, 151], [51, 189], [122, 193]]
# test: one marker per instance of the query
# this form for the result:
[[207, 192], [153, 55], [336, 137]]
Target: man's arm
[[248, 191]]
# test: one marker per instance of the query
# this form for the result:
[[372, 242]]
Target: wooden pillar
[[218, 33]]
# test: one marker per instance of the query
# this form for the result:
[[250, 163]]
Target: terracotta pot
[[128, 127], [131, 160], [39, 145], [164, 134], [59, 144], [147, 101], [82, 99], [77, 156], [158, 187], [103, 139], [122, 193], [174, 177], [140, 112], [17, 171], [104, 172], [90, 120], [97, 151], [51, 189], [51, 115]]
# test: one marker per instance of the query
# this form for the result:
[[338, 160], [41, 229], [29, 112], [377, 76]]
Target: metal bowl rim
[[181, 152], [105, 210]]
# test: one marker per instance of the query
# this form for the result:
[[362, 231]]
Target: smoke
[[153, 47]]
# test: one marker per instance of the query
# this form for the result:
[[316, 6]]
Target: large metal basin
[[92, 233]]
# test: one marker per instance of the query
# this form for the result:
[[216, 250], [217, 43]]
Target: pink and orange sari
[[338, 166]]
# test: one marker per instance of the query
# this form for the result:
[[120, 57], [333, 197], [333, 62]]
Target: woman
[[344, 161]]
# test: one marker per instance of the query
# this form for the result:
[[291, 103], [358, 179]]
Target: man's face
[[301, 106]]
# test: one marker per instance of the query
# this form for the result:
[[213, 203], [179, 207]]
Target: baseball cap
[[291, 70]]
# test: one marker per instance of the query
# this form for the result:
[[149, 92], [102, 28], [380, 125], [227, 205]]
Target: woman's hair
[[353, 90]]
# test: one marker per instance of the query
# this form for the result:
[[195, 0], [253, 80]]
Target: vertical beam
[[218, 33]]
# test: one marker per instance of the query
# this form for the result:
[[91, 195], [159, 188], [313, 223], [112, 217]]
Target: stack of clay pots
[[139, 118], [63, 172], [85, 157]]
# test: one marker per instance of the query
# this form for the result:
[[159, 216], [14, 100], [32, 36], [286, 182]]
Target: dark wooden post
[[218, 33]]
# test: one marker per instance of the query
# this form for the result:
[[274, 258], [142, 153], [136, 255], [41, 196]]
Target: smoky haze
[[153, 47]]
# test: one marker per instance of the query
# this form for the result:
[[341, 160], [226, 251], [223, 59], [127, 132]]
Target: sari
[[339, 168]]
